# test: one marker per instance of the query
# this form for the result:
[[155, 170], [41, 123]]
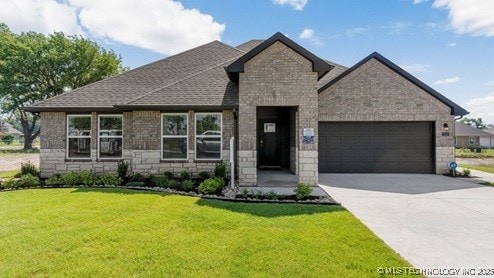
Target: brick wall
[[374, 92], [278, 76]]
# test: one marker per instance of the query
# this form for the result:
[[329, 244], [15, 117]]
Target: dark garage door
[[376, 147]]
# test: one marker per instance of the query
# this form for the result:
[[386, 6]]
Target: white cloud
[[163, 26], [295, 4], [447, 81], [415, 2], [482, 107], [355, 31], [397, 27], [416, 67], [44, 16], [490, 83], [451, 44], [470, 16], [308, 34]]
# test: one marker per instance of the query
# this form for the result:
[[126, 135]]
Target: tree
[[477, 123], [34, 67]]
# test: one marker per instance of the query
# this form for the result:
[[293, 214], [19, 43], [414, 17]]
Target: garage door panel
[[382, 147]]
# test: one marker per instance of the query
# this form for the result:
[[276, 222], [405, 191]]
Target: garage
[[376, 147]]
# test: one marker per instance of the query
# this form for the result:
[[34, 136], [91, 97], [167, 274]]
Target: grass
[[466, 153], [483, 168], [9, 174], [120, 233], [15, 150]]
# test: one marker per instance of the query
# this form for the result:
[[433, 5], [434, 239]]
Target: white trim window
[[208, 136], [110, 136], [174, 134], [78, 136]]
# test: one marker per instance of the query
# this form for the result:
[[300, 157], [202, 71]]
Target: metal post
[[232, 162]]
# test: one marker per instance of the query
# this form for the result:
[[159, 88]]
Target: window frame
[[472, 141], [162, 136], [208, 136], [68, 136], [109, 136]]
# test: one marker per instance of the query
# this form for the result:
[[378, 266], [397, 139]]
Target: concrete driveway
[[432, 221]]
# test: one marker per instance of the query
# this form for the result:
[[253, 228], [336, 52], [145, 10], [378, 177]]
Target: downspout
[[235, 133]]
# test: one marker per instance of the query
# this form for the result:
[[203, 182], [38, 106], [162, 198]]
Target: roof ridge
[[178, 81]]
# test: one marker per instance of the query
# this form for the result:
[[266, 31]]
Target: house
[[7, 128], [285, 107], [471, 137]]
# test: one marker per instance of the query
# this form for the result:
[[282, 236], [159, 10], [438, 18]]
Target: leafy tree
[[34, 67], [477, 123]]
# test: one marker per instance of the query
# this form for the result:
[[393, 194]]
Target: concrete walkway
[[432, 221], [478, 176]]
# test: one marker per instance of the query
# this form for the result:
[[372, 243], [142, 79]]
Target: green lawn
[[484, 168], [9, 174], [120, 233], [466, 153]]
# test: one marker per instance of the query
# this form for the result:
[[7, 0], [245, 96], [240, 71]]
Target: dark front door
[[269, 144]]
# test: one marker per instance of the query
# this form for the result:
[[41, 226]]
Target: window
[[110, 137], [471, 141], [79, 136], [174, 133], [208, 135]]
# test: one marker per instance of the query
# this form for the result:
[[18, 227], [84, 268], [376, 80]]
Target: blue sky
[[448, 44]]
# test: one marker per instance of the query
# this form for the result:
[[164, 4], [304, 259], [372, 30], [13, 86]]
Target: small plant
[[55, 180], [136, 184], [160, 180], [137, 177], [7, 138], [303, 191], [28, 180], [258, 194], [10, 183], [87, 178], [123, 168], [173, 184], [467, 172], [28, 168], [71, 179], [245, 193], [212, 185], [220, 169], [109, 179], [271, 195], [187, 185], [169, 175], [185, 175], [204, 175]]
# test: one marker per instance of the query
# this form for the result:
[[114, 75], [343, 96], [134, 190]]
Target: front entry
[[269, 144]]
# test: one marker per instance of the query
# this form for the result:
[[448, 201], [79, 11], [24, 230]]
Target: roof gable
[[318, 65], [455, 108], [462, 129]]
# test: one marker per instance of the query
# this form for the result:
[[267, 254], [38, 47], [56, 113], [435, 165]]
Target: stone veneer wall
[[141, 143], [278, 76], [374, 92]]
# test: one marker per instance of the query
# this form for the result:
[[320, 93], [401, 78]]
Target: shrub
[[271, 195], [87, 178], [28, 180], [7, 138], [28, 168], [467, 172], [212, 185], [185, 175], [122, 169], [54, 180], [136, 183], [204, 175], [160, 181], [173, 184], [220, 169], [137, 177], [109, 180], [187, 185], [10, 183], [258, 194], [169, 175], [303, 191], [245, 193], [71, 179]]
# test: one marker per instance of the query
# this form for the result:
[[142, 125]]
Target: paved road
[[430, 220]]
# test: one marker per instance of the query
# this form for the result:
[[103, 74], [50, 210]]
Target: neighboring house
[[286, 107], [7, 128], [471, 137]]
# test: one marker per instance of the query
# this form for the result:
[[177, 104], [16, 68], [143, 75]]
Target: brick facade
[[141, 145], [374, 92], [278, 76]]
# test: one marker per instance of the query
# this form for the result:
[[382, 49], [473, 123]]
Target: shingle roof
[[462, 129], [248, 46]]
